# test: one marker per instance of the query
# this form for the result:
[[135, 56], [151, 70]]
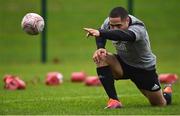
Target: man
[[134, 59]]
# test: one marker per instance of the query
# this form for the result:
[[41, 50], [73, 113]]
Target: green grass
[[73, 98], [20, 55]]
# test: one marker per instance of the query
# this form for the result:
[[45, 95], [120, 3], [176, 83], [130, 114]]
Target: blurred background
[[67, 47], [66, 41]]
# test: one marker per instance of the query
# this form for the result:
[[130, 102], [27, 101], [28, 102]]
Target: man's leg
[[105, 67], [106, 78], [159, 98], [156, 98], [148, 83]]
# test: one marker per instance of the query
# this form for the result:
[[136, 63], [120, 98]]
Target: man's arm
[[117, 35], [100, 42]]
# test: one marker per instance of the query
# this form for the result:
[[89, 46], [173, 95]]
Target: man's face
[[118, 23]]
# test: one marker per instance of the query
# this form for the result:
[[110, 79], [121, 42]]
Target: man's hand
[[92, 32], [98, 54]]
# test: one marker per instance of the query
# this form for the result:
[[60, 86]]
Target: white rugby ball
[[32, 23]]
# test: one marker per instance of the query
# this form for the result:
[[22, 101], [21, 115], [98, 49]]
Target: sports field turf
[[67, 45]]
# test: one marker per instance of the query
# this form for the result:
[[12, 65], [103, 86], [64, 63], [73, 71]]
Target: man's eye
[[117, 25]]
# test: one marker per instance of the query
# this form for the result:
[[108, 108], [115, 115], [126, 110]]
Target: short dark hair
[[118, 12]]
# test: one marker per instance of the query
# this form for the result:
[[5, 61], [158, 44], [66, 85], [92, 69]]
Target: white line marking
[[63, 98]]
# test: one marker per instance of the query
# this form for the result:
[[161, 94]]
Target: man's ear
[[127, 19]]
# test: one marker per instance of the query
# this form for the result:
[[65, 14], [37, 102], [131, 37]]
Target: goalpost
[[130, 7], [44, 34]]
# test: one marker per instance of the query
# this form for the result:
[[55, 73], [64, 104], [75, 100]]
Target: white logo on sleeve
[[155, 87]]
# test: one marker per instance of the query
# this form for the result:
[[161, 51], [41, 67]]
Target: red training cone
[[78, 76], [168, 78], [54, 78], [13, 82], [92, 81]]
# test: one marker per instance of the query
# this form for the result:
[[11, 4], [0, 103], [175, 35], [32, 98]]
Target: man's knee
[[158, 103], [155, 98], [111, 60], [103, 61]]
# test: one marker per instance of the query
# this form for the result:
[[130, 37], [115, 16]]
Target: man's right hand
[[92, 32], [99, 54]]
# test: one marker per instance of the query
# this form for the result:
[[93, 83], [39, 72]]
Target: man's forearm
[[118, 35], [100, 42]]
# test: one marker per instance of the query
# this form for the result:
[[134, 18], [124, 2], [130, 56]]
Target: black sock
[[168, 97], [106, 78]]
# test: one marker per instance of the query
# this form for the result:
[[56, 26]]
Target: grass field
[[20, 54]]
